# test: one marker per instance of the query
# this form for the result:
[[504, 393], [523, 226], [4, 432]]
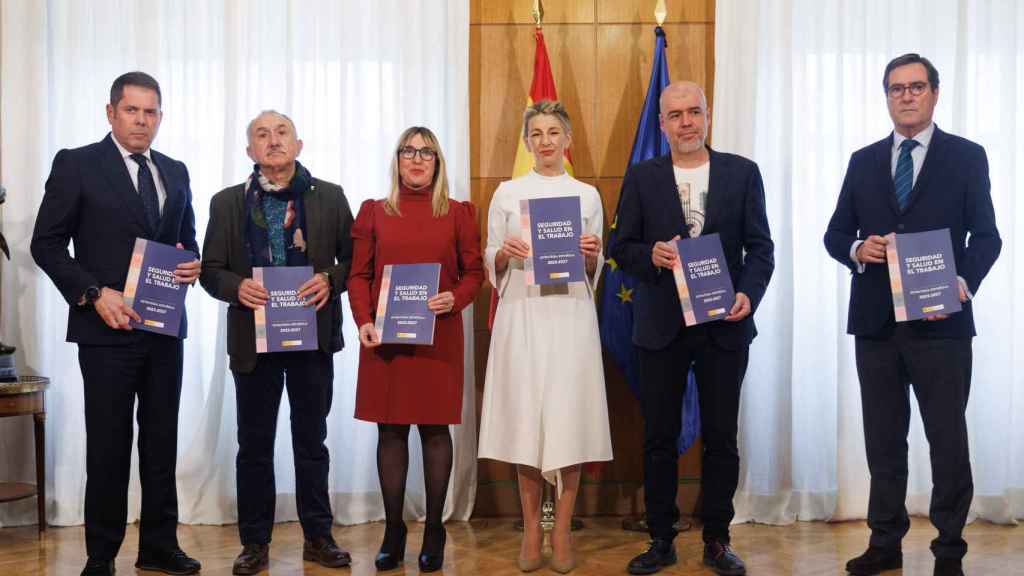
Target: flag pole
[[547, 507]]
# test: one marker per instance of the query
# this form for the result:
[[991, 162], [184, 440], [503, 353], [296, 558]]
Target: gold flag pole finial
[[660, 12], [538, 12]]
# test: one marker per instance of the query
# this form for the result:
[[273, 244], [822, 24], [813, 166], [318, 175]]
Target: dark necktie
[[147, 192], [903, 179]]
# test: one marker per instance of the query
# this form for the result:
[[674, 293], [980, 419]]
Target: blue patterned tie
[[147, 192], [903, 179]]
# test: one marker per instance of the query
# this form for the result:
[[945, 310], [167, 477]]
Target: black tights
[[393, 468]]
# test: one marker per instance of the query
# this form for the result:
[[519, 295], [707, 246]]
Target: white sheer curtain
[[351, 74], [798, 88]]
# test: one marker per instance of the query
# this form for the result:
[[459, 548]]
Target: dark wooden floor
[[489, 547]]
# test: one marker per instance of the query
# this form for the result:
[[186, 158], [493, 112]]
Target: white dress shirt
[[133, 171]]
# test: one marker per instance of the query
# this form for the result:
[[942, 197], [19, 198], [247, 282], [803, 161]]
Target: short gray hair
[[248, 129], [550, 108]]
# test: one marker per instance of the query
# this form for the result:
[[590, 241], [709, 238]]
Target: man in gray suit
[[281, 216]]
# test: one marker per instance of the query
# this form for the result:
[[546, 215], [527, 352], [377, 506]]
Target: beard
[[687, 147]]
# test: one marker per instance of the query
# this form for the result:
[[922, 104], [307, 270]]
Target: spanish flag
[[542, 88]]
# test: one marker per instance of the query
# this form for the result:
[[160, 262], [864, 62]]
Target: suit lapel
[[121, 182], [313, 224], [931, 159], [242, 237], [717, 185], [174, 192], [666, 186], [883, 163]]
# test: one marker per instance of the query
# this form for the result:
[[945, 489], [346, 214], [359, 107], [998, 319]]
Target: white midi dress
[[544, 401]]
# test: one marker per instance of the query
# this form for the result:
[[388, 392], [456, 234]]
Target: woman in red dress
[[403, 384]]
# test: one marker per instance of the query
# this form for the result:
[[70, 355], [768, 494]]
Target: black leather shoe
[[325, 552], [392, 550], [874, 561], [723, 560], [431, 561], [660, 553], [169, 562], [254, 559], [948, 567], [98, 568]]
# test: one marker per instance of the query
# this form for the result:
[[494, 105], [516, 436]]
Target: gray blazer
[[226, 263]]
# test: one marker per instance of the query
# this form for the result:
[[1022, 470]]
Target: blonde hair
[[439, 197], [550, 108]]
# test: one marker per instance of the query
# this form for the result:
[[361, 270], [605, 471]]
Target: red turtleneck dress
[[403, 383]]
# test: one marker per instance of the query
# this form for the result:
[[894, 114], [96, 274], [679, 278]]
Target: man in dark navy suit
[[692, 191], [102, 197], [919, 178]]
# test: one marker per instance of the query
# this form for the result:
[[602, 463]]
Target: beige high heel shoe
[[563, 566], [529, 565]]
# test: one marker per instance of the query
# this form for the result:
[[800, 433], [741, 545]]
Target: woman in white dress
[[544, 405]]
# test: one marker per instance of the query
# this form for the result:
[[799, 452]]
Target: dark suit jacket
[[226, 263], [650, 211], [951, 191], [90, 200]]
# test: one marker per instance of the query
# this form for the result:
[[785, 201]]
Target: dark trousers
[[940, 370], [114, 376], [663, 375], [309, 377]]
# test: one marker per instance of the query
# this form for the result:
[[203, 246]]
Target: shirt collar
[[125, 153], [924, 137]]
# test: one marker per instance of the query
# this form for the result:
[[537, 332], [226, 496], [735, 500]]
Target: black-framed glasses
[[426, 153], [915, 88]]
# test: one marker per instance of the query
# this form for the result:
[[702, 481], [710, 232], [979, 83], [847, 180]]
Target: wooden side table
[[19, 398]]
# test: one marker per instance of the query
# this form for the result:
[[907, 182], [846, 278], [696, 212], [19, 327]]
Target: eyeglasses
[[915, 88], [408, 152]]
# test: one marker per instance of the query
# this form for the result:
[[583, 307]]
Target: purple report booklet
[[551, 227], [151, 288], [703, 281], [922, 274], [402, 313], [286, 323]]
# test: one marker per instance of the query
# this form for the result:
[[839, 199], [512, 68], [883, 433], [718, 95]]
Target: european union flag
[[617, 293]]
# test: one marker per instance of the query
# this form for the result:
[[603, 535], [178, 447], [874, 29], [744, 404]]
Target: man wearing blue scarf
[[281, 216]]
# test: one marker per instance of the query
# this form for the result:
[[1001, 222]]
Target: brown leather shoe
[[325, 552], [253, 559]]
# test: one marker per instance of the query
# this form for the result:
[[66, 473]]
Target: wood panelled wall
[[601, 52]]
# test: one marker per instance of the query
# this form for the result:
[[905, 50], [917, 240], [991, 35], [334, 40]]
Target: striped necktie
[[903, 179]]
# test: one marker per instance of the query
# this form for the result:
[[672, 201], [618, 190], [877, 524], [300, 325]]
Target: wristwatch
[[92, 294], [328, 278]]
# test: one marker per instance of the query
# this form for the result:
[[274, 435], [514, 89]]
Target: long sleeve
[[594, 221], [56, 224], [984, 243], [759, 250], [187, 233], [361, 273], [216, 277], [471, 273], [843, 227], [627, 246], [343, 243], [496, 234]]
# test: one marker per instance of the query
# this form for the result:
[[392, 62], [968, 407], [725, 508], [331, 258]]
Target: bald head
[[684, 121], [680, 89]]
